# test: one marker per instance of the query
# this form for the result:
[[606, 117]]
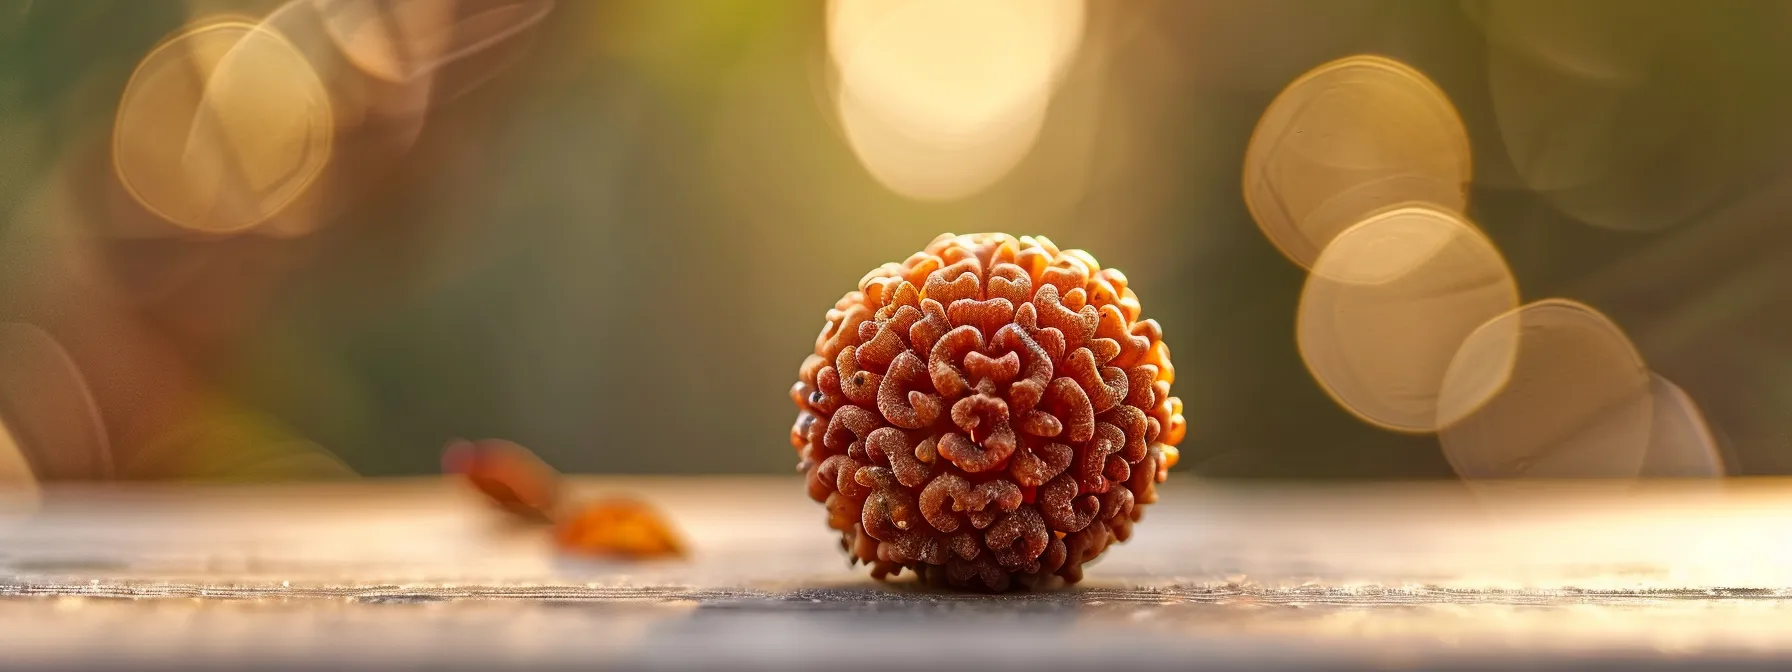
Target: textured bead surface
[[990, 413]]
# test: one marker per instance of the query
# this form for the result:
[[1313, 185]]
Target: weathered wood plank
[[1321, 577]]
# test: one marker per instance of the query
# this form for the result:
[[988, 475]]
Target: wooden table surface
[[420, 572]]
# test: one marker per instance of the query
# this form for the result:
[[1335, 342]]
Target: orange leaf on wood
[[622, 528]]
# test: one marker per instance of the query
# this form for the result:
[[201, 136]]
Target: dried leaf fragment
[[507, 474], [621, 528]]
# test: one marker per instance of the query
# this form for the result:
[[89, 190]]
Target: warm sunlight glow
[[222, 127], [940, 99], [1387, 306], [1573, 397], [1347, 139]]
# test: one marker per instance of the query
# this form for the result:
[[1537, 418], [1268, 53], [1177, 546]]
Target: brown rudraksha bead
[[989, 413]]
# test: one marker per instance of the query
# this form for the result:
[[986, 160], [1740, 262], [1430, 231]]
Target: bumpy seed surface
[[990, 413]]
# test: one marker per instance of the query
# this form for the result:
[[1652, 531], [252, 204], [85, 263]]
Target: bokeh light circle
[[1570, 397], [1680, 442], [391, 41], [403, 40], [15, 472], [1388, 304], [1610, 41], [940, 99], [1601, 116], [221, 127], [1061, 22], [53, 417], [1347, 139]]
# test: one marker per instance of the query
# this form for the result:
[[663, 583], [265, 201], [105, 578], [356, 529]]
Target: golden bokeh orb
[[940, 99], [1553, 389], [221, 127], [1347, 139], [1388, 304]]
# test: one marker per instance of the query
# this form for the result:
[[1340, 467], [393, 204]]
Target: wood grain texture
[[377, 573]]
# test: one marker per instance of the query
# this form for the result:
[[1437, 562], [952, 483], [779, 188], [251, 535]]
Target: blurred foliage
[[619, 251]]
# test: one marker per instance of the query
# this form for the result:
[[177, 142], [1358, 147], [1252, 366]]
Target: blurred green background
[[618, 250]]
